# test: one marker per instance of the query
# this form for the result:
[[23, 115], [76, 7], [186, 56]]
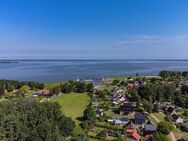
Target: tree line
[[77, 87], [156, 92], [27, 121], [10, 85], [173, 74]]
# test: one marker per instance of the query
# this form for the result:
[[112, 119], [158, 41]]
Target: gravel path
[[171, 133]]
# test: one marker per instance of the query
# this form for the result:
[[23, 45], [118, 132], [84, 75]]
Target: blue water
[[70, 70]]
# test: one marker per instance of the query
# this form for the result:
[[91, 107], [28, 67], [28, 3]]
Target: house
[[184, 126], [130, 85], [149, 128], [185, 82], [96, 82], [95, 104], [120, 121], [46, 92], [122, 99], [99, 112], [134, 135], [36, 94], [118, 98], [131, 132], [148, 137], [137, 83], [126, 108], [176, 118], [171, 110], [139, 118], [129, 127]]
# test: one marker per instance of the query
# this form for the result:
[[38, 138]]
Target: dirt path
[[171, 133]]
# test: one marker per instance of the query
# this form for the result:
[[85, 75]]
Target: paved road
[[171, 133]]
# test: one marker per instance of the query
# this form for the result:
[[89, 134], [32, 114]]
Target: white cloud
[[155, 40]]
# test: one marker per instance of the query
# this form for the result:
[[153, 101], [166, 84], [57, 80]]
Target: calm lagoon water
[[71, 69]]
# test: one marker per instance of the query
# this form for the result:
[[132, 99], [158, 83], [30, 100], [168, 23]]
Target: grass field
[[152, 120], [160, 116], [51, 84], [73, 105]]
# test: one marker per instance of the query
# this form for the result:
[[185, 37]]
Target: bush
[[159, 137], [164, 127], [102, 134]]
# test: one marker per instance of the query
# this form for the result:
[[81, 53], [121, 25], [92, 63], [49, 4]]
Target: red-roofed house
[[46, 91], [130, 85], [131, 132], [148, 136]]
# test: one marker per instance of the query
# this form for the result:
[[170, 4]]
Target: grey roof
[[170, 109], [175, 116], [150, 127]]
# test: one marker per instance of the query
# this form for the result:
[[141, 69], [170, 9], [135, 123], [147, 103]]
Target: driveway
[[171, 133]]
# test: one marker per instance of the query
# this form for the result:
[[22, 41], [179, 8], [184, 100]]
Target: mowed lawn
[[160, 116], [73, 105]]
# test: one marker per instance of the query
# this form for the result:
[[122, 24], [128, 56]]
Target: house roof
[[170, 109], [149, 126], [120, 120], [126, 105], [175, 116], [99, 111], [149, 122], [148, 136], [129, 125], [46, 91], [136, 135], [139, 116]]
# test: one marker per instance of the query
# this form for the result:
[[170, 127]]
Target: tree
[[185, 73], [170, 89], [120, 139], [23, 91], [102, 93], [80, 137], [102, 134], [148, 106], [56, 90], [170, 74], [115, 81], [10, 127], [66, 87], [164, 127], [155, 91], [159, 137], [184, 89], [89, 113], [90, 88], [21, 120], [87, 124], [1, 89], [156, 107], [168, 118]]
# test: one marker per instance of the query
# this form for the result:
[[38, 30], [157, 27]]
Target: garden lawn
[[52, 84], [73, 105], [160, 116], [152, 120]]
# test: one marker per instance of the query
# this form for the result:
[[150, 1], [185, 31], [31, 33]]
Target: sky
[[94, 29]]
